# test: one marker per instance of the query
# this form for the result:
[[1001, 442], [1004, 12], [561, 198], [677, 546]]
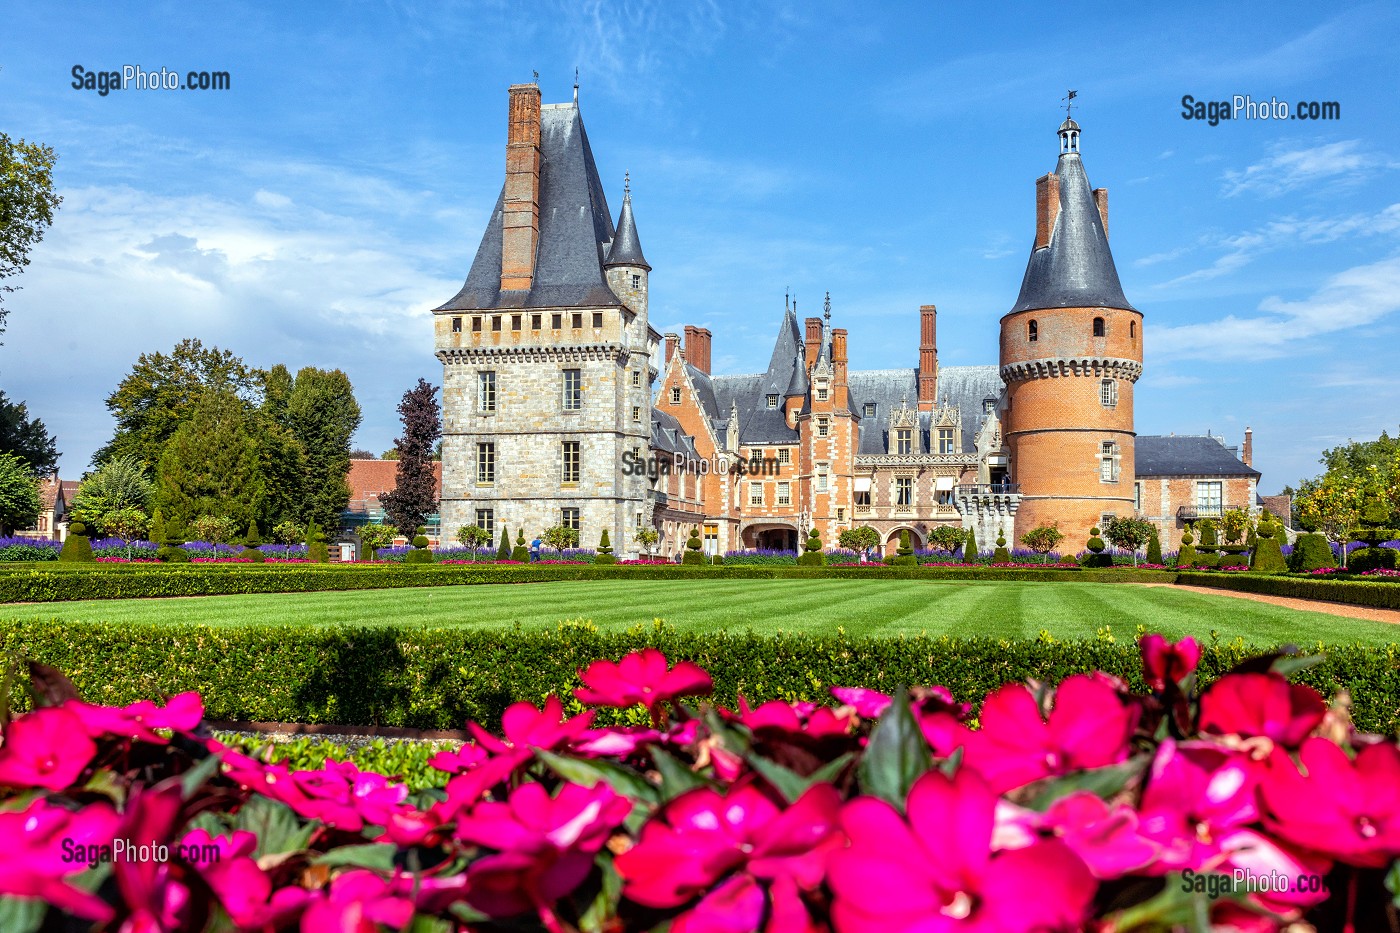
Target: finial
[[537, 77], [787, 298], [1069, 102], [826, 308], [575, 84], [627, 185]]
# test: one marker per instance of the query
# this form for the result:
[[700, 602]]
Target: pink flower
[[1262, 705], [1105, 837], [623, 741], [153, 892], [545, 846], [46, 748], [181, 713], [784, 717], [1089, 727], [525, 728], [641, 678], [1166, 663], [868, 704], [1347, 809], [719, 847], [45, 843], [358, 902], [935, 871], [243, 888]]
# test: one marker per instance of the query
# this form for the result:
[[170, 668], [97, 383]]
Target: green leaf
[[278, 829], [376, 855], [1288, 665], [676, 778], [791, 784], [21, 914], [1392, 882], [897, 754], [1103, 782], [194, 778], [603, 908]]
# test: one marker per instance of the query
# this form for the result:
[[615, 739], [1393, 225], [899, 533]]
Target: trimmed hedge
[[1375, 594], [437, 678], [135, 581]]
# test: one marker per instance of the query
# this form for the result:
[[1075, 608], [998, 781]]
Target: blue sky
[[316, 211]]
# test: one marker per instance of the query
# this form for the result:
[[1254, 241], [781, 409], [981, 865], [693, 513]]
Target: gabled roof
[[1186, 455], [964, 387], [668, 435], [575, 229], [1076, 270]]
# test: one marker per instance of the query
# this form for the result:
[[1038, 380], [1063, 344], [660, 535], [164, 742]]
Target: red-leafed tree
[[415, 494]]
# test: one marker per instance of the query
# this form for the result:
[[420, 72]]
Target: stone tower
[[546, 348], [1071, 352]]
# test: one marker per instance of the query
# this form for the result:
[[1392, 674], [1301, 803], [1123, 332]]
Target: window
[[823, 427], [1108, 462], [772, 401], [862, 498], [515, 321], [636, 281], [821, 394], [904, 441], [636, 414], [456, 325], [495, 322], [1033, 330], [1108, 393], [486, 390], [841, 515], [636, 378], [570, 470], [569, 519], [576, 320], [556, 320], [904, 491], [989, 405], [870, 409], [755, 493], [784, 456], [1137, 497], [1208, 498], [1098, 327], [822, 479], [1132, 330], [945, 440], [573, 389], [476, 324], [486, 521], [675, 395], [535, 321], [485, 463], [597, 319], [785, 494]]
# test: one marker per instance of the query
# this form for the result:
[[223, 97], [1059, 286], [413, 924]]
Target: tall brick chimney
[[813, 340], [697, 347], [1047, 208], [1248, 455], [1101, 202], [520, 223], [838, 368], [928, 356], [672, 341]]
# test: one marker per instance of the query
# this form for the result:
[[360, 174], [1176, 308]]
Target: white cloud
[[1290, 169]]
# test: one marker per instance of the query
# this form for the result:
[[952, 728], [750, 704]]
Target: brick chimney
[[697, 347], [928, 356], [1047, 208], [813, 340], [1101, 202], [520, 222], [1248, 455], [672, 341], [838, 368]]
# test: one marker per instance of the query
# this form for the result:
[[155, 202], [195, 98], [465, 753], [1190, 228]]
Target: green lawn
[[863, 607]]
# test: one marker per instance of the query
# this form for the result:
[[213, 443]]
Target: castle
[[562, 405]]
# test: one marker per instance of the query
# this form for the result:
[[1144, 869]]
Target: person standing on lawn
[[535, 549]]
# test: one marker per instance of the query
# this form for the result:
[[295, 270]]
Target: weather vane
[[537, 77], [1069, 102]]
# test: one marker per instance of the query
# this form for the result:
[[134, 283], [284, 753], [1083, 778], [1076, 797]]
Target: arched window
[[1034, 331], [1098, 327], [1132, 330]]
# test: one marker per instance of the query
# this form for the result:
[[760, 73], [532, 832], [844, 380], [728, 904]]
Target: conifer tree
[[211, 466], [414, 496], [503, 552]]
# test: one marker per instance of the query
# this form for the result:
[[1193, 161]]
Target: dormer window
[[870, 409], [1033, 331], [988, 405], [1098, 327], [904, 441], [821, 395], [772, 401], [675, 395]]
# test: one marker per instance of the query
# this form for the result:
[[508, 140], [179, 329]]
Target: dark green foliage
[[27, 203], [26, 438], [415, 491], [212, 465], [812, 555], [717, 560], [156, 532], [1096, 544], [1209, 536], [1096, 557], [1001, 555], [171, 551], [1372, 558], [316, 550], [250, 545], [520, 552], [970, 546], [693, 545], [76, 547], [420, 554], [605, 554], [438, 678], [904, 554], [322, 414], [1069, 560], [1378, 594], [1311, 552], [503, 552], [1154, 547], [1187, 556], [19, 493]]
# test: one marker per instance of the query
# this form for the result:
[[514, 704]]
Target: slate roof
[[576, 229], [1076, 270], [667, 434], [964, 387], [1186, 455], [626, 249]]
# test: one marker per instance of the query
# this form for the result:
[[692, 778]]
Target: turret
[[627, 269]]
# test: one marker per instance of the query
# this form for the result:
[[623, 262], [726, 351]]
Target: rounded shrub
[[171, 552], [1311, 552], [76, 547], [1069, 560], [812, 555], [693, 545], [520, 552], [1096, 545], [251, 541], [605, 554], [1187, 556], [1268, 553], [1372, 558], [1001, 555]]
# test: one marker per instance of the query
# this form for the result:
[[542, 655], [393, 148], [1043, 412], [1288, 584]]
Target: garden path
[[1309, 605]]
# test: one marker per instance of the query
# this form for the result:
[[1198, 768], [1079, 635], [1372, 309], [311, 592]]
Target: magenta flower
[[44, 844], [1266, 705], [1105, 837], [357, 902], [1164, 662], [804, 718], [45, 748], [1089, 727], [623, 741], [181, 713], [868, 704], [544, 845], [243, 888], [641, 678], [935, 871], [720, 847], [1347, 809], [525, 728], [157, 898]]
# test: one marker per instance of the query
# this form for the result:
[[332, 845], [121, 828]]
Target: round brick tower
[[1071, 352]]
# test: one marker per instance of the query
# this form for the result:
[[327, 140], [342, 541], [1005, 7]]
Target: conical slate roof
[[1076, 270], [626, 247]]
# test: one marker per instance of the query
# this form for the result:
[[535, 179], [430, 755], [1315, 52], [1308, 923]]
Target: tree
[[375, 536], [127, 524], [121, 484], [322, 414], [560, 537], [1129, 534], [389, 455], [282, 460], [26, 437], [289, 532], [359, 453], [1373, 463], [1042, 539], [647, 537], [27, 204], [415, 493], [859, 539], [19, 494], [473, 536], [1332, 507], [945, 538], [211, 466], [160, 393], [216, 529]]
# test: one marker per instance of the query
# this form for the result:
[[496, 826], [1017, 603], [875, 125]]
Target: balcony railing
[[1190, 513], [989, 489]]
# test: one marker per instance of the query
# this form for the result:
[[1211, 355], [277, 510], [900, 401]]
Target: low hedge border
[[436, 678], [1373, 594], [128, 582]]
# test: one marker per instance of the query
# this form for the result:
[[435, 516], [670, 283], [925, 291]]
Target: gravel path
[[1308, 605]]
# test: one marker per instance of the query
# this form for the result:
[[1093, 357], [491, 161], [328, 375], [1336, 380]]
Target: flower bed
[[761, 557], [1089, 806]]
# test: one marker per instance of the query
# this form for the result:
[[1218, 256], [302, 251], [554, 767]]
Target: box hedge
[[1377, 594]]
